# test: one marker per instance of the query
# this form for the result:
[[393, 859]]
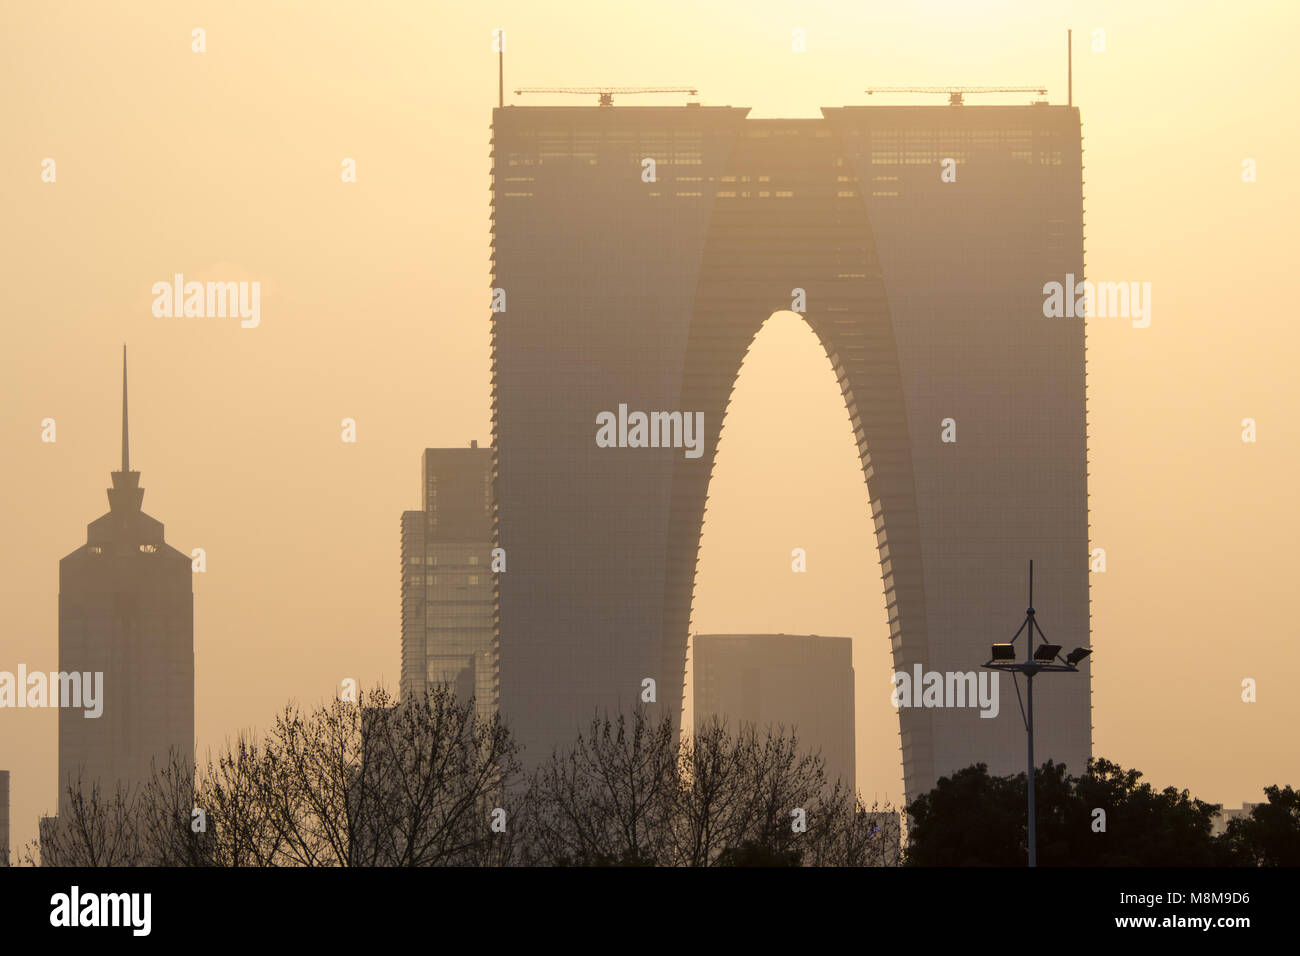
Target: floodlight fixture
[[1076, 655]]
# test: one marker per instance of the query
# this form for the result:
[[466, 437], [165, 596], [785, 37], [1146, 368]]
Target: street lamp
[[1037, 660]]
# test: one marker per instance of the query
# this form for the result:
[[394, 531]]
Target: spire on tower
[[126, 451], [126, 495]]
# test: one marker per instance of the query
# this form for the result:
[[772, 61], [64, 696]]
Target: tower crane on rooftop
[[955, 93], [606, 93]]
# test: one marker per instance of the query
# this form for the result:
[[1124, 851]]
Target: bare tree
[[428, 782], [434, 775], [165, 818], [845, 832], [94, 829], [241, 831], [310, 780], [719, 773], [627, 793], [379, 783], [782, 785], [608, 800]]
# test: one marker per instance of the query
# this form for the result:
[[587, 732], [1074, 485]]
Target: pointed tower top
[[126, 495], [126, 449]]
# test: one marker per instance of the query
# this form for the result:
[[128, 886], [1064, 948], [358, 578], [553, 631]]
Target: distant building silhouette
[[126, 609], [637, 251], [447, 580], [1219, 825], [803, 682]]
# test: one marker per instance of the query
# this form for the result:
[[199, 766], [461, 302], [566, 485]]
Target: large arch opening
[[788, 475]]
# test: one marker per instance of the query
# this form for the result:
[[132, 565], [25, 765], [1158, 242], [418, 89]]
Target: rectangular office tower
[[636, 253], [803, 683], [447, 586], [126, 612]]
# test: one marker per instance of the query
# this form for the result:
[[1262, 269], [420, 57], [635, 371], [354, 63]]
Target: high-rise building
[[126, 610], [447, 579], [803, 683], [636, 253]]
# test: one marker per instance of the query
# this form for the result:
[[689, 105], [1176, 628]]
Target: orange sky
[[225, 165]]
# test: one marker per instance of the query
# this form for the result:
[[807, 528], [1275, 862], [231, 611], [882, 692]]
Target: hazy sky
[[225, 165]]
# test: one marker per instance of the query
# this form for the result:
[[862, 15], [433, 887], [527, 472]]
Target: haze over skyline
[[225, 166]]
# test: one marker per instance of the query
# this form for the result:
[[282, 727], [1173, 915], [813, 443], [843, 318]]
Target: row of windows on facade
[[450, 632], [691, 137], [473, 623], [432, 559], [879, 157], [144, 549], [444, 631], [720, 194], [731, 194], [565, 141], [662, 159], [431, 580], [686, 138], [930, 157], [761, 194], [959, 157], [684, 179]]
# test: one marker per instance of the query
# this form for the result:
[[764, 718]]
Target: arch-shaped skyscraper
[[637, 251]]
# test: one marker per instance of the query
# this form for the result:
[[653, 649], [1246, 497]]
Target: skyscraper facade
[[636, 253], [126, 610], [803, 683], [447, 579]]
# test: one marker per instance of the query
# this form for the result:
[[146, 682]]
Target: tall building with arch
[[636, 253]]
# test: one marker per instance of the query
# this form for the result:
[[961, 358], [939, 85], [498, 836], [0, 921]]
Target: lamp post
[[1037, 660]]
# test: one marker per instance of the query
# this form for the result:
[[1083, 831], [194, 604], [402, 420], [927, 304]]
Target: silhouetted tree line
[[1104, 817], [427, 782]]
